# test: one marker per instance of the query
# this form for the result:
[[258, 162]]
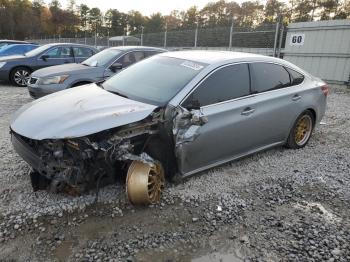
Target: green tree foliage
[[173, 21], [135, 22], [116, 22], [155, 23], [328, 7], [20, 19], [273, 9]]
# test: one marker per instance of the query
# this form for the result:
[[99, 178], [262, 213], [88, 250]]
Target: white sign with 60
[[297, 39]]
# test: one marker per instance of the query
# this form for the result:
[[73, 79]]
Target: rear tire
[[301, 131], [19, 76]]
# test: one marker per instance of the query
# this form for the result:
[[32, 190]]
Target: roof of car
[[128, 48], [73, 44], [25, 44], [213, 57], [13, 41]]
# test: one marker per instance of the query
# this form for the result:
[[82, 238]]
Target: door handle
[[296, 97], [247, 111]]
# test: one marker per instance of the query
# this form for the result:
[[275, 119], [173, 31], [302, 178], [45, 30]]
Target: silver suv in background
[[95, 69]]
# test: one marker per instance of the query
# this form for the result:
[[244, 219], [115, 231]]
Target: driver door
[[56, 56], [215, 124]]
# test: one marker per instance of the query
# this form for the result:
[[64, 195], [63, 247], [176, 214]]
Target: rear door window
[[131, 58], [59, 52], [82, 52], [296, 78], [267, 77], [226, 83]]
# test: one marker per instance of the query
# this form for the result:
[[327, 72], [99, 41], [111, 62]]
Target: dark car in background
[[4, 43], [17, 49], [17, 68], [95, 69]]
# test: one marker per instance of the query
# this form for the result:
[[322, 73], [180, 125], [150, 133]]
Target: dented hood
[[77, 112]]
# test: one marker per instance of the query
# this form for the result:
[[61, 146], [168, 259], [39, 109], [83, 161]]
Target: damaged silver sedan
[[171, 115]]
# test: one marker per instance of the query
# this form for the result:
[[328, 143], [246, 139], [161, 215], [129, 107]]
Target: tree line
[[21, 19]]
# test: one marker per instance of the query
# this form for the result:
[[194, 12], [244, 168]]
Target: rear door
[[276, 103], [224, 101], [56, 56], [81, 53]]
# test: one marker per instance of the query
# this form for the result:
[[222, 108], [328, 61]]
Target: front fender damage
[[186, 129], [77, 165]]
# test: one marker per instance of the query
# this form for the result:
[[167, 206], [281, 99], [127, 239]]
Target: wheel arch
[[314, 114], [160, 149], [20, 66], [81, 82], [12, 70]]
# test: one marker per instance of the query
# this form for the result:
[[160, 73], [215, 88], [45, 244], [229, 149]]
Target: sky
[[146, 7]]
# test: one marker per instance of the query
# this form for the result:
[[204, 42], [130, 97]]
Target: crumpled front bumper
[[25, 151]]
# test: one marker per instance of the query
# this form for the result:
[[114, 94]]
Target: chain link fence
[[269, 38]]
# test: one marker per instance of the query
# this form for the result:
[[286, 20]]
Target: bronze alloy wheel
[[144, 183], [303, 129]]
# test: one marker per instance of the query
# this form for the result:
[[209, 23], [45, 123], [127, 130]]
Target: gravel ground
[[290, 205]]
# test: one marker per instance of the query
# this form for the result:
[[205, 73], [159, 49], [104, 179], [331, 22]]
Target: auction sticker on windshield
[[192, 65]]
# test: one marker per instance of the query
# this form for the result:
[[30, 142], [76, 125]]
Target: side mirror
[[116, 66], [45, 57]]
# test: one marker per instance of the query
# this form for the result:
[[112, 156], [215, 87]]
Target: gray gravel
[[278, 204]]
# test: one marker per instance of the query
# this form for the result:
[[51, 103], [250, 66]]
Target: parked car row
[[17, 49], [97, 68], [4, 43], [17, 68], [171, 115], [54, 67]]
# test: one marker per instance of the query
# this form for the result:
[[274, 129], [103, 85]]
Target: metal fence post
[[142, 27], [280, 41], [108, 38], [276, 37], [231, 32], [196, 36], [165, 36]]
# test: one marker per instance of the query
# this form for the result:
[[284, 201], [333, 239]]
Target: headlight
[[2, 64], [54, 80]]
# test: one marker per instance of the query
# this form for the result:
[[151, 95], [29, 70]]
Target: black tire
[[299, 137], [20, 75]]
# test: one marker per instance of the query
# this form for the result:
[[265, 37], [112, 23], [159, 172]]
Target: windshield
[[6, 48], [102, 58], [2, 45], [154, 80], [38, 50]]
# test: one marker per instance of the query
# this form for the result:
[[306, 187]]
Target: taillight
[[325, 90]]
